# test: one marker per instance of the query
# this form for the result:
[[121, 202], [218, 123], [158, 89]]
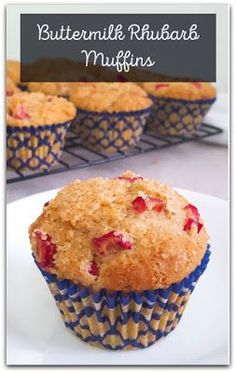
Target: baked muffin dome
[[34, 109], [126, 233], [109, 97], [50, 88], [185, 91]]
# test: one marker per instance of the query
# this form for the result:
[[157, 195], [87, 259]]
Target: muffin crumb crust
[[101, 241], [34, 109], [178, 90], [109, 97]]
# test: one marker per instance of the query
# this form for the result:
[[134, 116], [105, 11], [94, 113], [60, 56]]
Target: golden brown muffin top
[[13, 70], [50, 88], [184, 91], [34, 109], [109, 97], [11, 87], [126, 233]]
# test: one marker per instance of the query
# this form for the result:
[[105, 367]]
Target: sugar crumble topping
[[97, 235]]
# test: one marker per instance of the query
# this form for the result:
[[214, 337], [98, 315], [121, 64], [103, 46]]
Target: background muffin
[[50, 88], [115, 245], [109, 97], [110, 116], [36, 129], [182, 91], [179, 108]]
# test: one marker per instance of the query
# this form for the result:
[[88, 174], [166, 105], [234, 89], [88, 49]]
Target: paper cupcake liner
[[110, 132], [35, 147], [23, 87], [118, 320], [177, 117]]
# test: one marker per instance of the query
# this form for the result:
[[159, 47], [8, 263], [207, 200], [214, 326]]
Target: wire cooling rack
[[75, 155]]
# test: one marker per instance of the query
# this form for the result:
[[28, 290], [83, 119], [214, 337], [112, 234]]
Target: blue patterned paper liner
[[35, 147], [23, 87], [177, 116], [118, 320], [110, 132]]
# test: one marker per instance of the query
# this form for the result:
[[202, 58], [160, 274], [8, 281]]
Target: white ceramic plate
[[36, 334]]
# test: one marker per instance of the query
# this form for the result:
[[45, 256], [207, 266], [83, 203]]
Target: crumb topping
[[34, 109], [109, 97], [185, 91], [119, 235], [50, 88]]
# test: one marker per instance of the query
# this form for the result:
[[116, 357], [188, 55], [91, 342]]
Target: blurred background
[[201, 166]]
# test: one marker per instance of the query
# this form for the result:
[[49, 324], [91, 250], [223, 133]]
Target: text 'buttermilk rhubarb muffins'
[[121, 258], [110, 116], [179, 108], [36, 128]]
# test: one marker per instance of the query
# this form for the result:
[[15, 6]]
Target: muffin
[[121, 258], [179, 108], [50, 88], [110, 116], [11, 87], [36, 128]]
